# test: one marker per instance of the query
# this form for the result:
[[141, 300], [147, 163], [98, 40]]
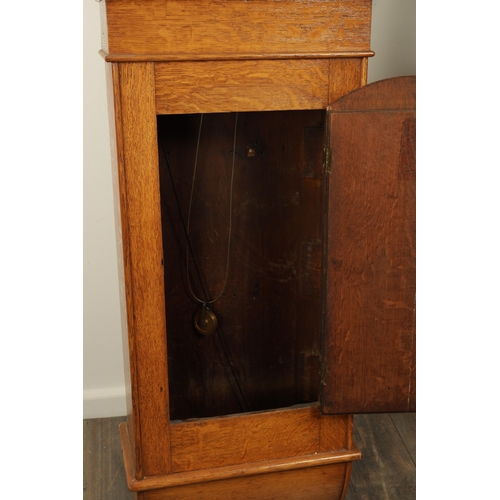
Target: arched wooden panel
[[369, 257]]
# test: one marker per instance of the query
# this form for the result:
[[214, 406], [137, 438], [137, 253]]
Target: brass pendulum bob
[[205, 321]]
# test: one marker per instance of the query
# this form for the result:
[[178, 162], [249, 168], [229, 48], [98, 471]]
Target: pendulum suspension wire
[[182, 219], [242, 400], [206, 301]]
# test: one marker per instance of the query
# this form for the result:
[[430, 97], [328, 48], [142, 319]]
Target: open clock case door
[[369, 254]]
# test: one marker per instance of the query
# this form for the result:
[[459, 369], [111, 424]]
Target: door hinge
[[327, 159]]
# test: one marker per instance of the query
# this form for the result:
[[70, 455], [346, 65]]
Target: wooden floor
[[386, 472]]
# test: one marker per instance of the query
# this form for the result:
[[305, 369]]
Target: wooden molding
[[228, 472], [179, 28], [231, 56]]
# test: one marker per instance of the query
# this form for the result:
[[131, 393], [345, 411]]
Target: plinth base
[[253, 456]]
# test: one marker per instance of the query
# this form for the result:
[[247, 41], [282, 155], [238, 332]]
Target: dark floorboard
[[386, 472], [103, 472]]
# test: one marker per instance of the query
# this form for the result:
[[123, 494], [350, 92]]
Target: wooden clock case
[[316, 318]]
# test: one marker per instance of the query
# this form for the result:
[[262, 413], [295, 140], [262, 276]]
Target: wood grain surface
[[219, 86], [137, 164], [270, 310], [386, 472], [230, 472], [121, 227], [103, 471], [346, 75], [369, 258], [315, 483], [254, 85], [364, 54], [247, 438], [407, 429], [176, 27]]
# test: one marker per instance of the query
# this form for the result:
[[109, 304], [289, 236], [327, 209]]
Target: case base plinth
[[263, 455], [314, 483]]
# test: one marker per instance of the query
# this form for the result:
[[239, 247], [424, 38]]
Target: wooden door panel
[[369, 257]]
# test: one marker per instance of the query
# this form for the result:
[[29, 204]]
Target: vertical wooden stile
[[137, 164], [345, 76]]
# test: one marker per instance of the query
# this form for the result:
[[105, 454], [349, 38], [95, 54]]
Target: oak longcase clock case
[[265, 206]]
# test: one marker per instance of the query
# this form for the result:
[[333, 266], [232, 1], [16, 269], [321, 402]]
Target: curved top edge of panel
[[395, 93]]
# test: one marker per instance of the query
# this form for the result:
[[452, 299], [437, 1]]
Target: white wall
[[103, 378], [393, 40]]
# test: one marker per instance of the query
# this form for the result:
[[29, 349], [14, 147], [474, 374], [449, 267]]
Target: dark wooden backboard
[[370, 255], [264, 353]]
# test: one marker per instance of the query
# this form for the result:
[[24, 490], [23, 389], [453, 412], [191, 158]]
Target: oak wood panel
[[121, 226], [253, 437], [225, 86], [149, 27], [229, 472], [346, 75], [347, 479], [369, 343], [316, 483], [364, 70], [398, 93], [309, 221], [335, 433], [143, 254]]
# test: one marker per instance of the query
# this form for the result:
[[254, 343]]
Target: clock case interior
[[265, 352]]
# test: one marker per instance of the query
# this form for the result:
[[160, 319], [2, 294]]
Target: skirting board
[[104, 403]]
